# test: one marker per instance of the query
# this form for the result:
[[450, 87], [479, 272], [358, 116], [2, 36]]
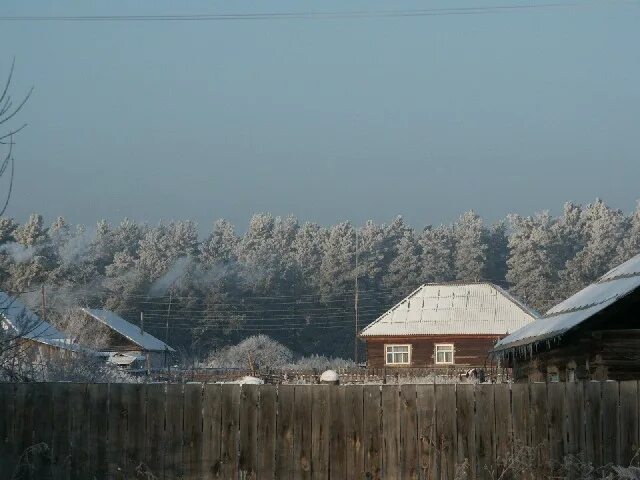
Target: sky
[[328, 119]]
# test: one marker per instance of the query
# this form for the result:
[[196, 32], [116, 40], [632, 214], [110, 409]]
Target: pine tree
[[404, 272], [497, 253], [220, 246], [437, 258], [470, 260], [338, 261]]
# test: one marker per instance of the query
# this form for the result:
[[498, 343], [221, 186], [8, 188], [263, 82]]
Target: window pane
[[405, 358], [389, 357]]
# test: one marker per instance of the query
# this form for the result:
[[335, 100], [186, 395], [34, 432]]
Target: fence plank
[[466, 441], [80, 431], [118, 413], [248, 450], [539, 426], [320, 431], [23, 428], [337, 433], [7, 458], [504, 437], [610, 399], [520, 403], [593, 422], [391, 431], [372, 408], [173, 459], [230, 398], [302, 412], [354, 431], [211, 431], [446, 428], [427, 434], [98, 429], [557, 419], [284, 461], [266, 432], [61, 448], [42, 428], [154, 427], [408, 432], [192, 448], [628, 421], [574, 432], [485, 432]]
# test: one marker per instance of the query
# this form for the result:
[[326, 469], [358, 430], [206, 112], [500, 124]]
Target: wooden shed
[[444, 325], [592, 335]]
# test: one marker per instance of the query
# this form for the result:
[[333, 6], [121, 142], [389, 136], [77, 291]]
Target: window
[[444, 352], [398, 354]]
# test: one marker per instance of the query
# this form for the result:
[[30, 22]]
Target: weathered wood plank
[[610, 419], [628, 419], [98, 429], [539, 425], [354, 431], [520, 403], [466, 421], [446, 428], [574, 432], [248, 450], [284, 461], [23, 427], [485, 432], [174, 418], [427, 433], [302, 443], [42, 428], [211, 431], [391, 431], [61, 448], [557, 424], [372, 416], [408, 432], [118, 414], [154, 439], [320, 414], [267, 432], [593, 422], [7, 419], [192, 448], [80, 431], [504, 432], [337, 433]]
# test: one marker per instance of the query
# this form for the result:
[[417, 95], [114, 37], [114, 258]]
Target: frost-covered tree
[[258, 351], [32, 233], [437, 258], [470, 260], [404, 271], [338, 261], [372, 254], [497, 253], [220, 246], [630, 246], [307, 253]]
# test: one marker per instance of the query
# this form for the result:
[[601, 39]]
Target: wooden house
[[592, 335], [25, 334], [444, 325], [128, 345]]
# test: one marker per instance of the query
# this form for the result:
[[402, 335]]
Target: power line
[[480, 10]]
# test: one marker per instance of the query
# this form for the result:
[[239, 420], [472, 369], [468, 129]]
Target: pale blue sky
[[328, 119]]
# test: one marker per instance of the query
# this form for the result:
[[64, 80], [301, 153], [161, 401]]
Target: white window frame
[[394, 363], [448, 345]]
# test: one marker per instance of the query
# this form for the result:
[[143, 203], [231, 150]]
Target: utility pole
[[355, 342], [44, 304], [166, 335], [141, 323]]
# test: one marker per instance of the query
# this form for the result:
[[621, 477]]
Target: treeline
[[293, 281]]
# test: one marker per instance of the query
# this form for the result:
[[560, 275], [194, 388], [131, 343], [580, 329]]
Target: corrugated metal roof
[[450, 309], [26, 324], [609, 288], [129, 330]]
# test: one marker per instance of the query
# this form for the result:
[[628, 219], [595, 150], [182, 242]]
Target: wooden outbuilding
[[444, 325], [592, 335]]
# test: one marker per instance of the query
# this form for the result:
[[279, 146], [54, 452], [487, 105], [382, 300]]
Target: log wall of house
[[597, 355], [469, 350]]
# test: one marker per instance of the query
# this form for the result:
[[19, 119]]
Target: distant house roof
[[132, 332], [453, 309], [25, 324], [607, 290]]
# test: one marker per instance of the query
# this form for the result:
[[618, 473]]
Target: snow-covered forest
[[295, 281]]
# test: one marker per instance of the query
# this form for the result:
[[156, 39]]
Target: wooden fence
[[85, 431]]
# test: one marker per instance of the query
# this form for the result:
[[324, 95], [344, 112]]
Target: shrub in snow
[[329, 376], [258, 351], [321, 363]]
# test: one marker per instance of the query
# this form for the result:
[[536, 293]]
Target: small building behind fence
[[592, 335], [444, 325]]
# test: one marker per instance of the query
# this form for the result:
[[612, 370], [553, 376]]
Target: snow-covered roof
[[607, 290], [453, 309], [132, 332], [26, 324]]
